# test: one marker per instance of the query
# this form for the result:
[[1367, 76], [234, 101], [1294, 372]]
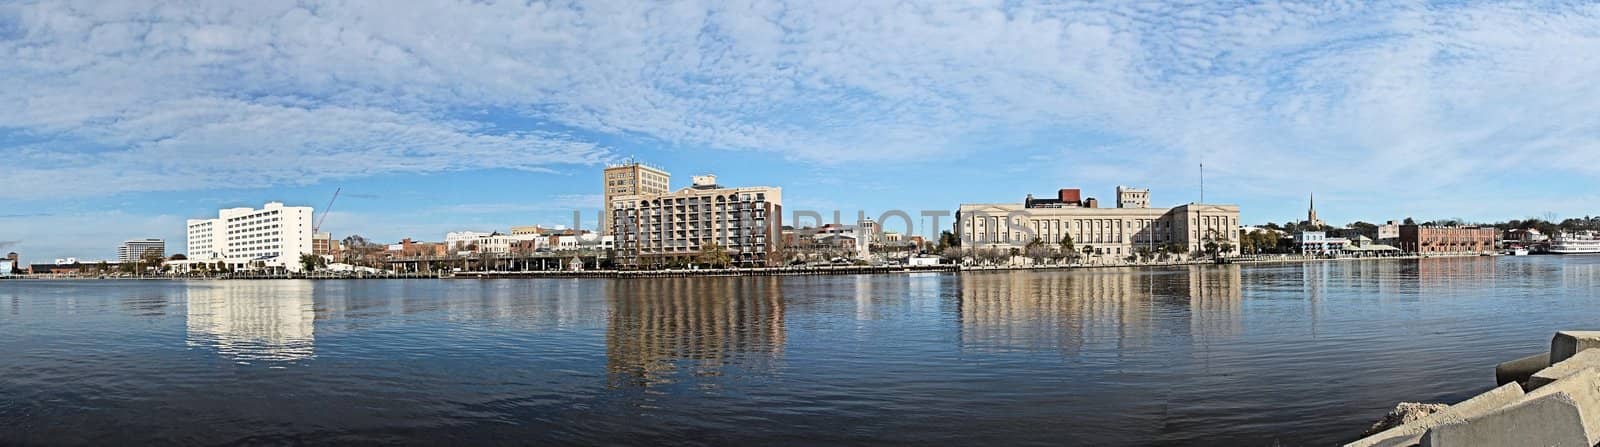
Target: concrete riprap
[[1520, 370], [1563, 413], [1584, 359], [1411, 433], [1547, 399], [1568, 343]]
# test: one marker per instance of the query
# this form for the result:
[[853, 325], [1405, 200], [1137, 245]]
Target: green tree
[[1174, 249], [1038, 252], [310, 262], [1066, 244], [948, 239], [713, 255]]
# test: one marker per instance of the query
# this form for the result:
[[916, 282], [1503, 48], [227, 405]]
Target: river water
[[1288, 354]]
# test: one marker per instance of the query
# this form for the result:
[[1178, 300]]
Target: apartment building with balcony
[[673, 229]]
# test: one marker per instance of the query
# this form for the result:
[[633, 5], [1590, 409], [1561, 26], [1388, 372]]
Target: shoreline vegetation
[[766, 271]]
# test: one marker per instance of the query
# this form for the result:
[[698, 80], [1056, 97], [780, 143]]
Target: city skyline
[[129, 119]]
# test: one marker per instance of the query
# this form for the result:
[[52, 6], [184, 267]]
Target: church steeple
[[1311, 213]]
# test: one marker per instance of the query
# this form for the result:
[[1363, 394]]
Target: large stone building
[[1107, 231], [1429, 239], [272, 237], [661, 230], [630, 179]]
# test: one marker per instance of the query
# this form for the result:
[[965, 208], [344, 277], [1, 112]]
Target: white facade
[[274, 235], [133, 250], [588, 241], [480, 242]]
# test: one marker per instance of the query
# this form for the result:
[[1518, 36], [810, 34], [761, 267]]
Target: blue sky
[[119, 120]]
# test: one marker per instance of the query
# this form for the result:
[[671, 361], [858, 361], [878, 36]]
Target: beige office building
[[1109, 231], [629, 179], [661, 230]]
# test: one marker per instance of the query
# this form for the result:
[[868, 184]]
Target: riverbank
[[774, 271], [1548, 398]]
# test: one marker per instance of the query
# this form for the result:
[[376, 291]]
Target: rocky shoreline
[[1544, 399]]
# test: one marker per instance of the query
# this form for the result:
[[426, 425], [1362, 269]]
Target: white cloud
[[1405, 93]]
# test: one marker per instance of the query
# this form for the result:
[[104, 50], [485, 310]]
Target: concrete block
[[1566, 412], [1520, 370], [1411, 433], [1552, 420], [1568, 343], [1583, 359]]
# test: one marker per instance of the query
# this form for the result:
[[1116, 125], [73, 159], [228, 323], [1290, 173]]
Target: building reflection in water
[[252, 320], [1066, 311], [659, 330], [1214, 296]]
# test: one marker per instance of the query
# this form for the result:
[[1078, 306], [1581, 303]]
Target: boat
[[1517, 252], [1582, 243]]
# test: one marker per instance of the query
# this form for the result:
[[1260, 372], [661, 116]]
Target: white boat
[[1518, 252], [1575, 244]]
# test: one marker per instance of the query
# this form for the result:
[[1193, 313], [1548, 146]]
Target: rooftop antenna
[[1202, 182]]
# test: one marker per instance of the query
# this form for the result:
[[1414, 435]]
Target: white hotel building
[[275, 235]]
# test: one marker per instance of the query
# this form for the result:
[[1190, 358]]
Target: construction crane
[[318, 227]]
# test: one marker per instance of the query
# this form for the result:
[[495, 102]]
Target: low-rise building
[[408, 248], [1524, 237], [1430, 239], [1319, 243]]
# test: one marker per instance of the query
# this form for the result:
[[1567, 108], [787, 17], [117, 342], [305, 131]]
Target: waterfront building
[[134, 250], [629, 179], [1431, 239], [1319, 243], [408, 248], [581, 241], [1106, 231], [16, 263], [272, 237], [6, 267], [1524, 236], [464, 242], [660, 230]]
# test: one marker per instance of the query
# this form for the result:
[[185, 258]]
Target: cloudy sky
[[119, 120]]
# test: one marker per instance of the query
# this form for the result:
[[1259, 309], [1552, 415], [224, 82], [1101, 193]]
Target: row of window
[[253, 216]]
